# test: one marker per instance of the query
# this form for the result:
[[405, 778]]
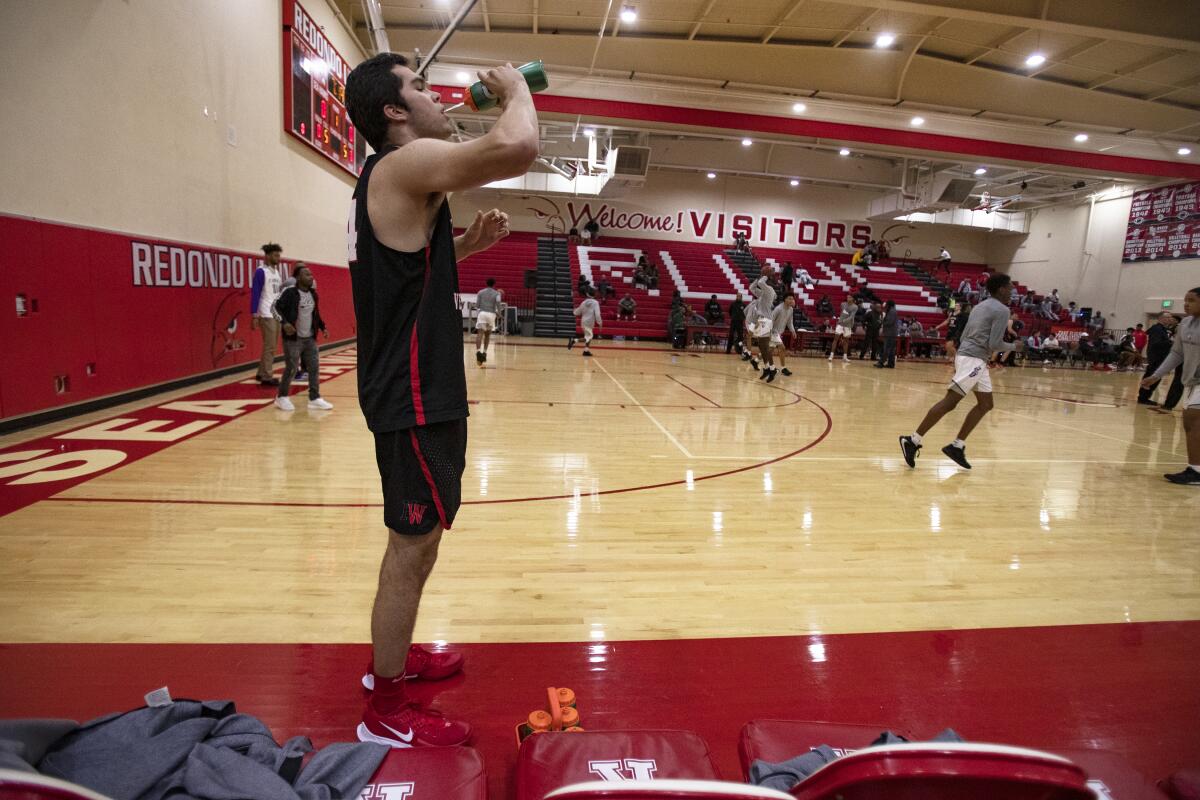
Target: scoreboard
[[314, 91]]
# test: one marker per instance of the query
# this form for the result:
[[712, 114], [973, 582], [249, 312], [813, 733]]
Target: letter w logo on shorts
[[416, 512]]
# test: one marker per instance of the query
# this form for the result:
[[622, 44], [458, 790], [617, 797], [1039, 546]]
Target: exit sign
[[1168, 303]]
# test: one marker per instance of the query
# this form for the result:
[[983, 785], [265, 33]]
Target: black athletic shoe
[[957, 454], [746, 356], [878, 366], [754, 364], [570, 342], [1189, 477], [765, 372], [479, 358], [485, 356], [1147, 402], [587, 353], [786, 371], [908, 447], [773, 375]]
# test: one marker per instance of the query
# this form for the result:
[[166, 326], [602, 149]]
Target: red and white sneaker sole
[[365, 735]]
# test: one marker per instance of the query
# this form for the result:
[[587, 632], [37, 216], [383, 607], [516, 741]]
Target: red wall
[[89, 311]]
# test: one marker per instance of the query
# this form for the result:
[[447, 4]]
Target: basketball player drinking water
[[411, 382], [983, 336]]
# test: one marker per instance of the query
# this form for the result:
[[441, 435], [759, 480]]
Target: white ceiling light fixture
[[628, 14], [917, 122], [885, 39], [712, 175], [981, 171], [589, 132], [794, 182], [1081, 137], [462, 77], [1035, 60], [844, 152], [799, 108], [1184, 151], [747, 142]]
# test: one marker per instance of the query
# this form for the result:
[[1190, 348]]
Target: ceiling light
[[1081, 137], [628, 14], [794, 182], [885, 39], [917, 121], [799, 108], [1184, 151], [589, 132], [462, 77], [747, 142], [843, 152], [712, 175], [981, 171], [1035, 60]]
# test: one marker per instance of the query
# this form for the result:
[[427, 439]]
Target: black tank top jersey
[[410, 346]]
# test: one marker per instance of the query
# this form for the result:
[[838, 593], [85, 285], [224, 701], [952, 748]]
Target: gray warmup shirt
[[846, 320], [589, 313], [781, 319], [488, 300], [764, 300], [1186, 351], [984, 333]]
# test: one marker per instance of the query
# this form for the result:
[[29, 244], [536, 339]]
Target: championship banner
[[1164, 224]]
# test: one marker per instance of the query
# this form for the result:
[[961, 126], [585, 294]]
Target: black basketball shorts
[[421, 471]]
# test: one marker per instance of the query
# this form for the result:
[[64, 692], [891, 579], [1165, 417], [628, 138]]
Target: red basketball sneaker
[[410, 725], [421, 664]]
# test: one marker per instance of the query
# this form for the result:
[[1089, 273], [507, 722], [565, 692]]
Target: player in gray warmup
[[1186, 351], [983, 336], [488, 303], [589, 319]]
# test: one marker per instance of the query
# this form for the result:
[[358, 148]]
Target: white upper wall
[[671, 199], [104, 123], [1055, 255]]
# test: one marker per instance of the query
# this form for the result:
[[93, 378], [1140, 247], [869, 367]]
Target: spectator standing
[[1157, 349], [592, 229], [264, 291], [944, 262], [788, 276], [300, 310], [871, 324], [737, 325], [889, 329]]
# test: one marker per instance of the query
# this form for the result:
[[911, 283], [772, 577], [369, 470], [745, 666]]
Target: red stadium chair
[[665, 790], [551, 761], [447, 773], [31, 786], [951, 771]]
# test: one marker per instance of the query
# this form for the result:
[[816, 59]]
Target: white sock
[[1195, 467], [916, 437], [959, 443]]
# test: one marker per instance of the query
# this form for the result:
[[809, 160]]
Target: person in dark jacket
[[737, 325], [300, 312], [889, 329], [872, 322], [712, 311], [788, 276], [1157, 348]]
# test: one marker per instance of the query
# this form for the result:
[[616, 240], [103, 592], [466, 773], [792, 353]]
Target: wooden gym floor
[[684, 545]]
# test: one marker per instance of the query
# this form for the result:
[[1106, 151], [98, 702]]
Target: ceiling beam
[[779, 22], [854, 28], [996, 44], [536, 9], [487, 20], [1137, 66], [1066, 55], [916, 48], [700, 21], [1188, 83], [1053, 26]]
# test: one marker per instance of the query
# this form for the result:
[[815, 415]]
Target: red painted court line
[[137, 501], [693, 391]]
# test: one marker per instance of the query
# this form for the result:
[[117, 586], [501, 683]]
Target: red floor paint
[[1130, 688]]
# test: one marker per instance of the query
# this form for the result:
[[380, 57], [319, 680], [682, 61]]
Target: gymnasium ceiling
[[1126, 74]]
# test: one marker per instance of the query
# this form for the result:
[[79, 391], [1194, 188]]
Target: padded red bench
[[447, 773], [551, 761], [1109, 775]]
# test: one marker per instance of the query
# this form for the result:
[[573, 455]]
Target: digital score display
[[314, 91]]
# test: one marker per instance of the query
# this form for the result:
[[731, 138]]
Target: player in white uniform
[[589, 320]]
